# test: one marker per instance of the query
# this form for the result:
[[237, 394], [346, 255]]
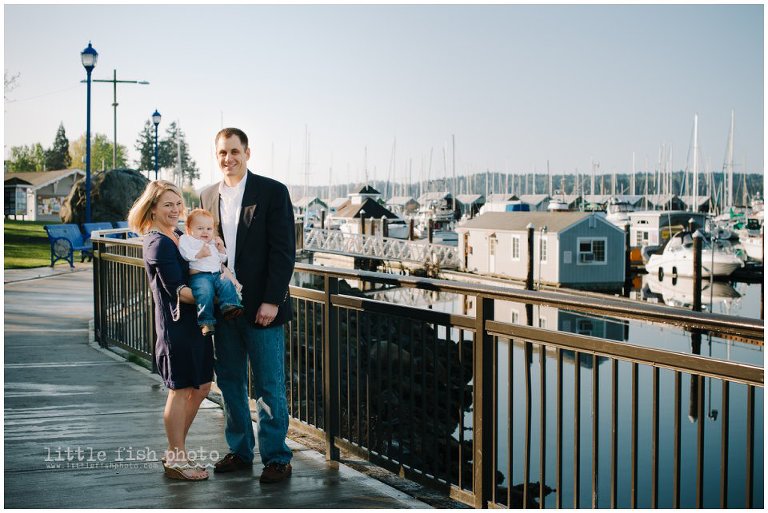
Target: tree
[[101, 153], [145, 145], [58, 156], [174, 154], [27, 158]]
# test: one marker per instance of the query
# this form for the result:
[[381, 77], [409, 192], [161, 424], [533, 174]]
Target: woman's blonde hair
[[140, 215]]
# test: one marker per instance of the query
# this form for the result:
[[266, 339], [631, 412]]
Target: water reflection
[[679, 292], [413, 383]]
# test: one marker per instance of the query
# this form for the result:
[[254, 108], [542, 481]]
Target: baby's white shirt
[[190, 246]]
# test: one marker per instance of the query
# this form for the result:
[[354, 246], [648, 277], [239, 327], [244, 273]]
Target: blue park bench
[[65, 239], [88, 228], [124, 224]]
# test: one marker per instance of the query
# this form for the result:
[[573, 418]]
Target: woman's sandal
[[185, 472]]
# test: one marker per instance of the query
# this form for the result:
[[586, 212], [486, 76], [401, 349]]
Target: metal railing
[[381, 248], [498, 414]]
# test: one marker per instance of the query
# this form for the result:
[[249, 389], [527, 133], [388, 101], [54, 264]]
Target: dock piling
[[697, 242]]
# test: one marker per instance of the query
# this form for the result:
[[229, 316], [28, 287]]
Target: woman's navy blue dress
[[184, 356]]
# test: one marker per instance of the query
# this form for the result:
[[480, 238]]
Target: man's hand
[[266, 314], [226, 274], [204, 252]]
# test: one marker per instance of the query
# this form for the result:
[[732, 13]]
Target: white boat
[[753, 247], [676, 258], [439, 213], [751, 237], [617, 212], [557, 205]]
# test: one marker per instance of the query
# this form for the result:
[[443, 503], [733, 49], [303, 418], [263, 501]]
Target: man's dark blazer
[[265, 252]]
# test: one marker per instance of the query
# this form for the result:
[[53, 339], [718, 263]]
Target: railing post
[[96, 292], [483, 422], [529, 274], [627, 261], [331, 370]]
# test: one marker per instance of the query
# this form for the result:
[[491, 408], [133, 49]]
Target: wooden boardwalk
[[83, 428]]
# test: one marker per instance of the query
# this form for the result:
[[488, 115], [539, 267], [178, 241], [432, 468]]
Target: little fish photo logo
[[123, 457]]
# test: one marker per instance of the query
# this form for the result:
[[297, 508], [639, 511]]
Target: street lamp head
[[156, 117], [88, 57]]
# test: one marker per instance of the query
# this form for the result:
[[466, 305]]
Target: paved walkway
[[83, 427]]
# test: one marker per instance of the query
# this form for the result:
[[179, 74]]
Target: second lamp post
[[156, 120]]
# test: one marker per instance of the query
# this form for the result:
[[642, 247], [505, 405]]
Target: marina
[[651, 256], [514, 253]]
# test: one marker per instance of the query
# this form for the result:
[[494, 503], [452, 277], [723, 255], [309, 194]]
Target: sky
[[378, 89]]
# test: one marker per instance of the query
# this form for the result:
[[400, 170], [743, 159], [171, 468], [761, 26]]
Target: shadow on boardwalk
[[83, 428]]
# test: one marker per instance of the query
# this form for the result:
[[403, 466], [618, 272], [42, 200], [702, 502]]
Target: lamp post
[[156, 120], [88, 57], [114, 83]]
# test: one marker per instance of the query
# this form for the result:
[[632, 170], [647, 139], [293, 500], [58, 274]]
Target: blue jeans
[[205, 287], [236, 342]]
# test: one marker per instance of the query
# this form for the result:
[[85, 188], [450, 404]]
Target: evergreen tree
[[58, 156], [174, 155], [145, 145]]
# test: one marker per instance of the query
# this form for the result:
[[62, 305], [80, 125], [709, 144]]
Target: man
[[255, 219]]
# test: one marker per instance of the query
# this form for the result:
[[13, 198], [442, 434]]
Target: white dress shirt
[[189, 247], [230, 204]]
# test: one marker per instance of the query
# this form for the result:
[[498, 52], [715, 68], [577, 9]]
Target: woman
[[184, 356]]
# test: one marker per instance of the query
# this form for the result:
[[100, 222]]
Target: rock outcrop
[[112, 195]]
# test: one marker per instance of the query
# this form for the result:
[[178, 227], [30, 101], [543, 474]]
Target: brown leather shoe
[[276, 472], [231, 463], [232, 312]]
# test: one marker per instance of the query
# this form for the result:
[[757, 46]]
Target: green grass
[[26, 245]]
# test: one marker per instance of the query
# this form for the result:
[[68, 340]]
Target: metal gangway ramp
[[381, 248]]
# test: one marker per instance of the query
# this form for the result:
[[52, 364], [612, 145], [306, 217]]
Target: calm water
[[734, 299]]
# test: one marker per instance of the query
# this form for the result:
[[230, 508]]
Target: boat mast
[[453, 164], [696, 162], [549, 181], [729, 165], [306, 161]]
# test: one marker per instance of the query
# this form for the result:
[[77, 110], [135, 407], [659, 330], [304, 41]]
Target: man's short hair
[[226, 133]]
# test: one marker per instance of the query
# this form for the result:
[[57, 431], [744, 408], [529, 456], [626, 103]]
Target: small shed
[[537, 202], [337, 203], [574, 201], [704, 203], [309, 204], [501, 197], [403, 205], [470, 204], [348, 218], [38, 196], [663, 202], [369, 208], [362, 193], [571, 249]]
